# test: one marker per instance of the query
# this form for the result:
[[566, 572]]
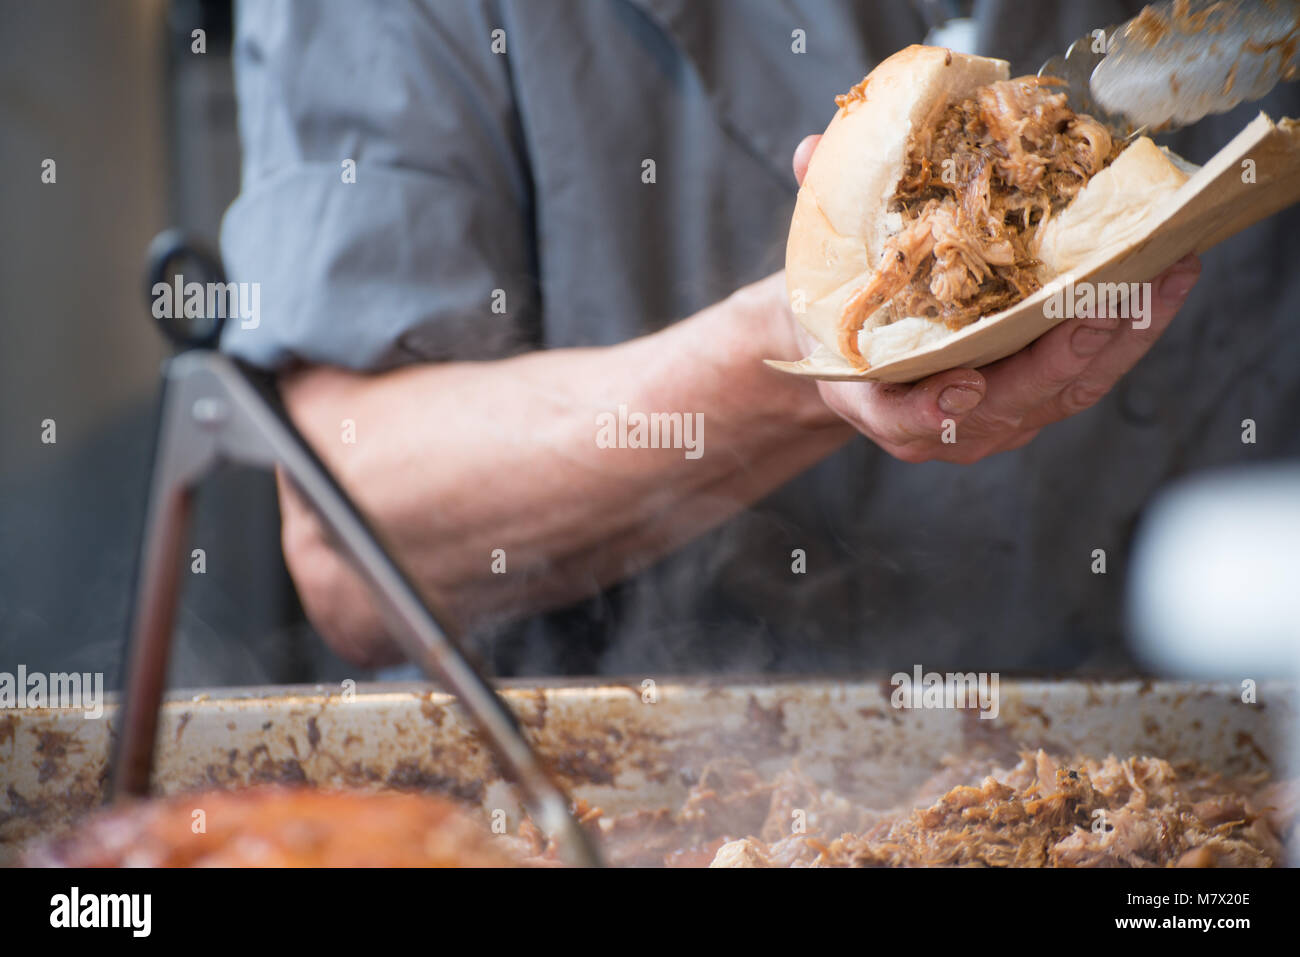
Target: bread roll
[[843, 223]]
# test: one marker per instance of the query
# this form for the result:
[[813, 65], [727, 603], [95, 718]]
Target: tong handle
[[175, 260], [216, 409]]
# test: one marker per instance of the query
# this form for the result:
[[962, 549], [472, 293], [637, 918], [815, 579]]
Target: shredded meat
[[977, 185], [1138, 812], [729, 799], [1135, 812]]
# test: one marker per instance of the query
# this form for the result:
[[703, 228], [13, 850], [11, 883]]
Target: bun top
[[840, 220], [1111, 212]]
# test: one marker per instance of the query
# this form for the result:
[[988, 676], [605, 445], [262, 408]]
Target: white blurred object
[[1215, 586], [958, 34]]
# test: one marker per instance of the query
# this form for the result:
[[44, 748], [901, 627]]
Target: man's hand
[[1003, 405]]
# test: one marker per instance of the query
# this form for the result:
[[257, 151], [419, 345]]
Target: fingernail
[[957, 400], [1178, 284], [1088, 342]]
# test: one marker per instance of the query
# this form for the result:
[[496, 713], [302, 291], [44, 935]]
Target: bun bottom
[[881, 344]]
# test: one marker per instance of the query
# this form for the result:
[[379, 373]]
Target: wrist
[[764, 327]]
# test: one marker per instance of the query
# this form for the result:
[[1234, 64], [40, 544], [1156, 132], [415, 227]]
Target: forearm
[[456, 461]]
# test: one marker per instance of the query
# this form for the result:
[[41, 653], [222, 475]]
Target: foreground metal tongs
[[216, 410], [1179, 61]]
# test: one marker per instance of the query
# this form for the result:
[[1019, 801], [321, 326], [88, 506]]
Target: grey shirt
[[520, 171]]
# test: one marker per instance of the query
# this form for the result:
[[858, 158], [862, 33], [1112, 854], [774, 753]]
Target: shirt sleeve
[[428, 254]]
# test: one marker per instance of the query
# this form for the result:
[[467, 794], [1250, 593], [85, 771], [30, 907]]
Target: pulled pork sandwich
[[943, 192]]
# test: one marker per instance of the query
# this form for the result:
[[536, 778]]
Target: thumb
[[803, 156]]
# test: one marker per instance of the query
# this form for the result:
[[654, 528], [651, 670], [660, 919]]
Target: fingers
[[803, 155], [1071, 367], [1169, 290], [911, 417], [1024, 382], [1004, 405]]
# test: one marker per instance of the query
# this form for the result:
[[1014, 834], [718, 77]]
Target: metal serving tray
[[620, 746]]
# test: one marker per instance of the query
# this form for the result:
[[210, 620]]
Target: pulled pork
[[977, 185], [1042, 812], [1137, 812]]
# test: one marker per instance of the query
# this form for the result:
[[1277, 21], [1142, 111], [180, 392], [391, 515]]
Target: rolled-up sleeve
[[421, 250]]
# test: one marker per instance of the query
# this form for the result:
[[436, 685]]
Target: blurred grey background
[[143, 136]]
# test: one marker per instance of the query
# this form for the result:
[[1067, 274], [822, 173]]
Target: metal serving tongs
[[215, 409], [1179, 61]]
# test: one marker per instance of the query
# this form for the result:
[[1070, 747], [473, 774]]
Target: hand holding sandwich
[[1003, 406]]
